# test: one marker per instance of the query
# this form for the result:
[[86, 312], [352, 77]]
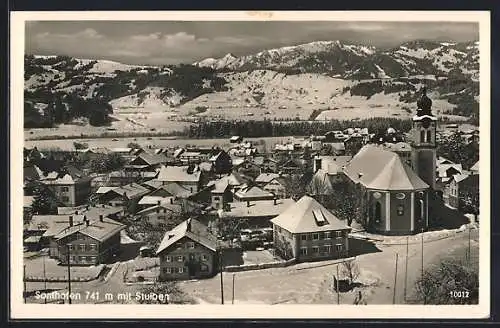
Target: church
[[396, 194]]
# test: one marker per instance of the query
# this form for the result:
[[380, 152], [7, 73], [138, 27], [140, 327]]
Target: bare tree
[[351, 270]]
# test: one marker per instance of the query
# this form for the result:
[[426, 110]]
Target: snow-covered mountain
[[339, 59], [333, 78]]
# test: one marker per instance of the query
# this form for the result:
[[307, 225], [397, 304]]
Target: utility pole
[[422, 236], [44, 281], [25, 293], [221, 277], [468, 252], [425, 300], [338, 289], [395, 281], [232, 302], [406, 268], [69, 274]]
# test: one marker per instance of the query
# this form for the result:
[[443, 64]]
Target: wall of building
[[86, 250], [401, 212], [158, 217], [322, 245], [191, 263]]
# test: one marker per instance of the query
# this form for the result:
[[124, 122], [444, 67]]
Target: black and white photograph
[[243, 163]]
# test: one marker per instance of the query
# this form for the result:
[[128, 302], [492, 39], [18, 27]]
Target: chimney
[[171, 200], [248, 203], [275, 201], [158, 203], [87, 207], [71, 220], [76, 212], [87, 223], [188, 227], [101, 217], [360, 175]]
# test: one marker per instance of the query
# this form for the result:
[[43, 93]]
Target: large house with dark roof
[[307, 231], [88, 242], [188, 251]]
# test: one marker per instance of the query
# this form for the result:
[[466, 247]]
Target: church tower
[[424, 141]]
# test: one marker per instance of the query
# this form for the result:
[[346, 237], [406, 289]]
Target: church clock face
[[426, 122]]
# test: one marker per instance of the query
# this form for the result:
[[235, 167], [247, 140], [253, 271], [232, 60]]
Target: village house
[[460, 187], [119, 196], [307, 231], [90, 242], [161, 214], [69, 185], [221, 162], [254, 215], [146, 161], [189, 177], [188, 251], [279, 186], [247, 168], [235, 139], [252, 193], [221, 194], [264, 178]]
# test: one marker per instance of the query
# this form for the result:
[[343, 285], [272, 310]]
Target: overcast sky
[[185, 42]]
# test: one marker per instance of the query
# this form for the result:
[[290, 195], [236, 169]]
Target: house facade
[[69, 190], [187, 252]]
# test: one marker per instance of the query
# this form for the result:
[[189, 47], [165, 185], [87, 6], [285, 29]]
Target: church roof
[[377, 168]]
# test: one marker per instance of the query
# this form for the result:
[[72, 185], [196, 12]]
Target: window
[[168, 258], [328, 248], [181, 270], [429, 136], [422, 136], [82, 247], [204, 268], [82, 258], [180, 258], [421, 202], [378, 212], [217, 198], [162, 217], [64, 189], [92, 247], [339, 247], [400, 195], [190, 245], [303, 251], [315, 249], [167, 270], [328, 235], [303, 236], [204, 257], [400, 210], [73, 259], [315, 236], [92, 259], [70, 247], [338, 234]]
